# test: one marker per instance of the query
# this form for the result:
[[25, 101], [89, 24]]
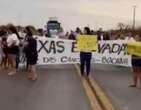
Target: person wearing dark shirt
[[31, 54], [85, 57], [106, 36], [4, 48], [72, 36], [78, 31], [100, 34]]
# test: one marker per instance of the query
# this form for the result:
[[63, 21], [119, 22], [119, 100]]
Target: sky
[[96, 14]]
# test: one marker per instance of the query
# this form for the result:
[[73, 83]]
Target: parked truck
[[53, 27]]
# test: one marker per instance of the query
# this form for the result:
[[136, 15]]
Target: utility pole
[[134, 16]]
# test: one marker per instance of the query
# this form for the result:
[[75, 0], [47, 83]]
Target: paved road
[[115, 81], [58, 88]]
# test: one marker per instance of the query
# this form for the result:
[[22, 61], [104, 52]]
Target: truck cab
[[53, 27]]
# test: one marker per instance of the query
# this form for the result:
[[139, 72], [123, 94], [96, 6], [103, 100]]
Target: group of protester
[[101, 34], [10, 45], [12, 42], [85, 57]]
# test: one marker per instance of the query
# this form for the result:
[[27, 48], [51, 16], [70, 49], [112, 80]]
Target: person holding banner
[[31, 54], [136, 65], [85, 57]]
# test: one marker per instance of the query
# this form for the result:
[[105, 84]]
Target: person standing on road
[[13, 48], [85, 57], [136, 66], [1, 51], [31, 54], [3, 46]]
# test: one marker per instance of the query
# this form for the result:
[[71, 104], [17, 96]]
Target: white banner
[[58, 51]]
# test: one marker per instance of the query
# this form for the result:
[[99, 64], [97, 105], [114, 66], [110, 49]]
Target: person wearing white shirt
[[12, 40], [13, 48]]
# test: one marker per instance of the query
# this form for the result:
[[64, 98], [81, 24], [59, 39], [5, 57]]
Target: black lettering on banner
[[119, 60], [116, 48], [114, 61], [120, 48], [52, 59], [124, 48], [61, 47], [107, 47], [104, 60], [64, 59], [104, 47], [52, 47], [43, 46], [49, 59], [45, 59], [73, 59], [73, 47]]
